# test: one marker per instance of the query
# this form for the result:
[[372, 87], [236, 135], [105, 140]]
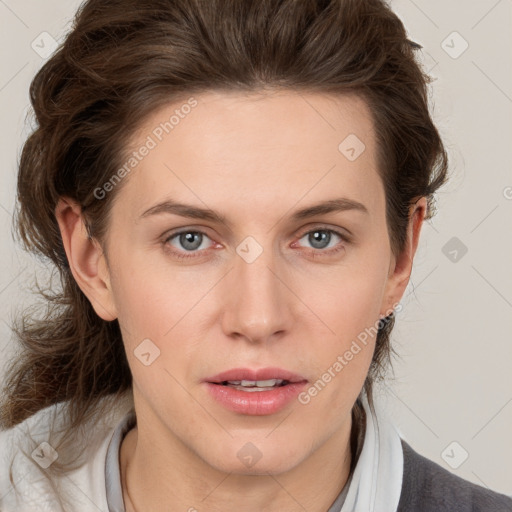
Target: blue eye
[[319, 237], [189, 240]]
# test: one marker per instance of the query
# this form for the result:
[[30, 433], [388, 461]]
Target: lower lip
[[256, 403]]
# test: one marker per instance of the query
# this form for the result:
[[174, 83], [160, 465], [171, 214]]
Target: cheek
[[349, 298], [160, 320], [348, 305], [148, 299]]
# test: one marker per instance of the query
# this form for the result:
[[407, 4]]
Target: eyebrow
[[195, 212]]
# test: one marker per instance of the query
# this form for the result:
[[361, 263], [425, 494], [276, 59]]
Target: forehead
[[253, 149]]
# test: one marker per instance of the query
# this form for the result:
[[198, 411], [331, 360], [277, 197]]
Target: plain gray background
[[452, 392]]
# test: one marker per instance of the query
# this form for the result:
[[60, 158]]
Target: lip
[[255, 403], [256, 374]]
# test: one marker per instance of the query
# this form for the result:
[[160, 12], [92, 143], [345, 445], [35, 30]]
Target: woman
[[232, 193]]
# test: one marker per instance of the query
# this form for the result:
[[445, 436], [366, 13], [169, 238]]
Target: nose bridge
[[257, 306]]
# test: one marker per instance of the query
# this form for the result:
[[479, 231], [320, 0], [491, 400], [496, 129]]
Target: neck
[[150, 482]]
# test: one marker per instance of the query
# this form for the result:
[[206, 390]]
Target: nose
[[258, 300]]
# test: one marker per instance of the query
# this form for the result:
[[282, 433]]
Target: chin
[[250, 458]]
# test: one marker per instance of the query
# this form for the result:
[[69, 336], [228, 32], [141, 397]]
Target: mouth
[[256, 380], [256, 392], [247, 379]]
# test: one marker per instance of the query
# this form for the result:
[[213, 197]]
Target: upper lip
[[256, 374]]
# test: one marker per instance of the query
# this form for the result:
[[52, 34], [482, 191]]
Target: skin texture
[[254, 158]]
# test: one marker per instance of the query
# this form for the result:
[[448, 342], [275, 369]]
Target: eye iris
[[188, 238], [323, 235]]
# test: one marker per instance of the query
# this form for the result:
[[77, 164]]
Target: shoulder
[[44, 467], [25, 453], [428, 487]]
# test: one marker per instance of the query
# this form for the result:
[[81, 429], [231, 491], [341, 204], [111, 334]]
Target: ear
[[86, 259], [401, 267]]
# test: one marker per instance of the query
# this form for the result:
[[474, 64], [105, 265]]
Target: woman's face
[[266, 287]]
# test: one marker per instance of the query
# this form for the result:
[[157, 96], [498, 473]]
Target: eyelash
[[314, 252]]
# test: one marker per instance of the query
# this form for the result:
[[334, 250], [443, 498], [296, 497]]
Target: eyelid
[[342, 232], [185, 229]]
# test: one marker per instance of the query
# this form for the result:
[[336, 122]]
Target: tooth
[[254, 385], [261, 383]]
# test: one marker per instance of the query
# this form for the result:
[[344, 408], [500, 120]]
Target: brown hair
[[125, 58]]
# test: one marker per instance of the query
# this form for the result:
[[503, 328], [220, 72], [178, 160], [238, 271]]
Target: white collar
[[376, 483]]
